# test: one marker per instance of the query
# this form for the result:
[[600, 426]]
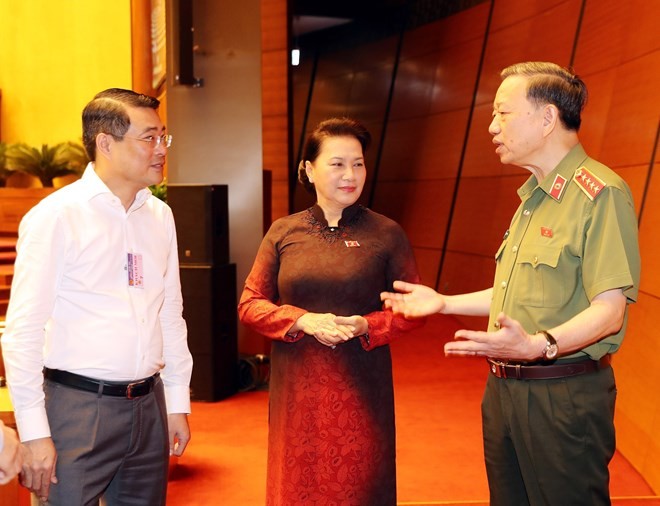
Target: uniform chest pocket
[[539, 283]]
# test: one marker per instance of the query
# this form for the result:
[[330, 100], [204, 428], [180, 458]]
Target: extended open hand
[[412, 300]]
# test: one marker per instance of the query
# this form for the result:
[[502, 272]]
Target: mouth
[[347, 189]]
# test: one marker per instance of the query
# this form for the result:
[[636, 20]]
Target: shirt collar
[[562, 172], [95, 186], [347, 214]]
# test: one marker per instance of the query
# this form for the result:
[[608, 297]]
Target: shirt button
[[503, 285], [514, 249], [496, 325], [526, 212], [536, 260]]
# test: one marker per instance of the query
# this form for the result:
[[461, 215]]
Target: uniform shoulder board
[[589, 183]]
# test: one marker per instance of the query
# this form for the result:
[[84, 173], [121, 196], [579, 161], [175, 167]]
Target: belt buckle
[[129, 389], [498, 368]]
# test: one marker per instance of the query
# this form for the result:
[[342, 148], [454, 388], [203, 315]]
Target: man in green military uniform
[[566, 270]]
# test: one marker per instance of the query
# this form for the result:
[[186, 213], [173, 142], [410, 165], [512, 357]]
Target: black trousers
[[549, 442], [109, 447]]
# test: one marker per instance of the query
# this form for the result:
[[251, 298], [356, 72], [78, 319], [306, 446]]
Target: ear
[[103, 142], [309, 170], [550, 118]]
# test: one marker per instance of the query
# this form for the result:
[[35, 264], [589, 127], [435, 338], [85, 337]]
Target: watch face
[[551, 351]]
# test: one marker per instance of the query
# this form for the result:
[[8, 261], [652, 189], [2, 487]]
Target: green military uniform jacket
[[573, 237]]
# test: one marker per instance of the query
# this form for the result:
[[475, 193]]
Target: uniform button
[[496, 325], [503, 285], [514, 249], [536, 260], [526, 212]]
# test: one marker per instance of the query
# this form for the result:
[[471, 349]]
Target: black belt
[[113, 388], [547, 371]]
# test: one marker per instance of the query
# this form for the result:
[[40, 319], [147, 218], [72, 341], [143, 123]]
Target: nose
[[349, 173], [494, 127], [161, 149]]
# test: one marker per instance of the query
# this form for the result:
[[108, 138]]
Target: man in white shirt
[[11, 457], [95, 347]]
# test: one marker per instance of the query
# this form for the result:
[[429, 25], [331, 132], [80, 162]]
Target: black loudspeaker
[[201, 213], [209, 308], [208, 285]]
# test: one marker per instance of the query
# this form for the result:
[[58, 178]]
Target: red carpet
[[439, 453]]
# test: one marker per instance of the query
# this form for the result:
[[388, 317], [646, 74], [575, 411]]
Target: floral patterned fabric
[[331, 427]]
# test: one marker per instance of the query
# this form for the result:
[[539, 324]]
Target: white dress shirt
[[71, 306]]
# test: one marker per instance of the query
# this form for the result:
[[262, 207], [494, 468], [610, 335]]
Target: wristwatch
[[551, 349]]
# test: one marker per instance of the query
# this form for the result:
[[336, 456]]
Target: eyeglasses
[[155, 140]]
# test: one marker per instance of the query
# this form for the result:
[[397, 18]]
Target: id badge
[[135, 270]]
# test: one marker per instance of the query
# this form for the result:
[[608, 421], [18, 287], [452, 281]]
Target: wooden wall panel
[[280, 200], [274, 22], [346, 61], [275, 100], [596, 113], [437, 75], [649, 240], [373, 55], [440, 145], [331, 97], [508, 13], [401, 149], [453, 31], [423, 148], [141, 47], [414, 87], [637, 177], [633, 94], [455, 76], [428, 260], [480, 157], [615, 32], [368, 97], [421, 209], [638, 406], [466, 272], [275, 138], [477, 228]]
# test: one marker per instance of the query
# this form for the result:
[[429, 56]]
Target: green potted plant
[[48, 162], [160, 190], [4, 171]]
